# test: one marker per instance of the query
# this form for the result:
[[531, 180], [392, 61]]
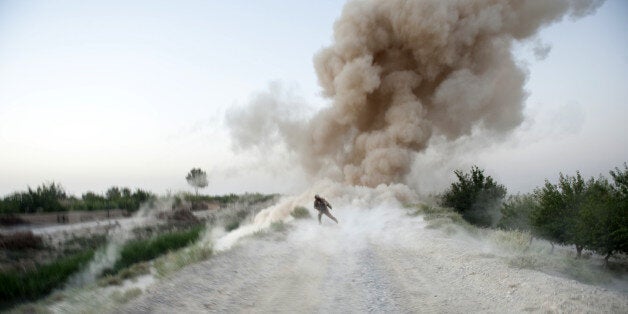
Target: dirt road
[[371, 262]]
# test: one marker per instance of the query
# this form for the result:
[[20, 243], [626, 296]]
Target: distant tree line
[[229, 198], [51, 197], [588, 214]]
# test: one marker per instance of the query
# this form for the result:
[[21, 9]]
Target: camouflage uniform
[[321, 205]]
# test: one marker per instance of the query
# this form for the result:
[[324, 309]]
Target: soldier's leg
[[330, 216], [320, 213]]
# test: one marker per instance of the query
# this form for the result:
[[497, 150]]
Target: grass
[[300, 212], [582, 270], [155, 249], [278, 226], [441, 218], [232, 225], [143, 250], [513, 241], [33, 284], [524, 254], [276, 230], [517, 243], [235, 218], [126, 296], [133, 271], [176, 260]]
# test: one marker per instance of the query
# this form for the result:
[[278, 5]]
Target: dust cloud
[[116, 238], [400, 74], [341, 197]]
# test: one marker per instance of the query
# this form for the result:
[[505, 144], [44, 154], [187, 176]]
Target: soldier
[[321, 205]]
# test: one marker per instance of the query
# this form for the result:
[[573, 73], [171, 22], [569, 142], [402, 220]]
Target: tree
[[617, 240], [47, 198], [516, 213], [113, 193], [476, 197], [556, 217], [114, 198], [604, 216], [197, 178]]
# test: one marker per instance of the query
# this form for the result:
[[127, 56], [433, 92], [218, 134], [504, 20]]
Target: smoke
[[117, 237], [341, 196], [541, 50], [400, 74]]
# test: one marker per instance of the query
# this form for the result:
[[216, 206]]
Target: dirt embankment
[[372, 262], [68, 217]]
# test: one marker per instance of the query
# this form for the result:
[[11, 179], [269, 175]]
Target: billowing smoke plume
[[400, 73]]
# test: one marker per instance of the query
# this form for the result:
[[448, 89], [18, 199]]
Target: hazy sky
[[133, 93]]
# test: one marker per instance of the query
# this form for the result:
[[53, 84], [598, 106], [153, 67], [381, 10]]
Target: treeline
[[588, 214], [53, 198], [250, 198]]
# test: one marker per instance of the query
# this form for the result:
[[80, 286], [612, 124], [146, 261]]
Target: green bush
[[476, 197], [300, 212], [46, 197], [144, 250], [33, 284], [52, 198]]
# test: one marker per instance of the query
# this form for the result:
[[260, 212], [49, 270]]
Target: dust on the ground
[[375, 260]]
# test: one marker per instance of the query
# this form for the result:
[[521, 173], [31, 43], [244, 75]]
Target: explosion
[[400, 73]]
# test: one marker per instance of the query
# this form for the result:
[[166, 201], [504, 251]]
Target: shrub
[[46, 197], [300, 212], [51, 198], [476, 197], [144, 250], [40, 281]]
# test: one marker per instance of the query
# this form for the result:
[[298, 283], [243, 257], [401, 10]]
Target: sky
[[134, 93]]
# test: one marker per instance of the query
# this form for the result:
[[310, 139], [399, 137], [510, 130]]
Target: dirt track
[[368, 263]]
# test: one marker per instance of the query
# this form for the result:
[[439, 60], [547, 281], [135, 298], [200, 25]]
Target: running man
[[321, 205]]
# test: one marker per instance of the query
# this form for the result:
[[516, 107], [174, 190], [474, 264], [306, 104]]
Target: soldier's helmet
[[316, 196]]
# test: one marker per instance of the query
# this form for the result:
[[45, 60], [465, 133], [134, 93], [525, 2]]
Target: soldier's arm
[[327, 203]]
